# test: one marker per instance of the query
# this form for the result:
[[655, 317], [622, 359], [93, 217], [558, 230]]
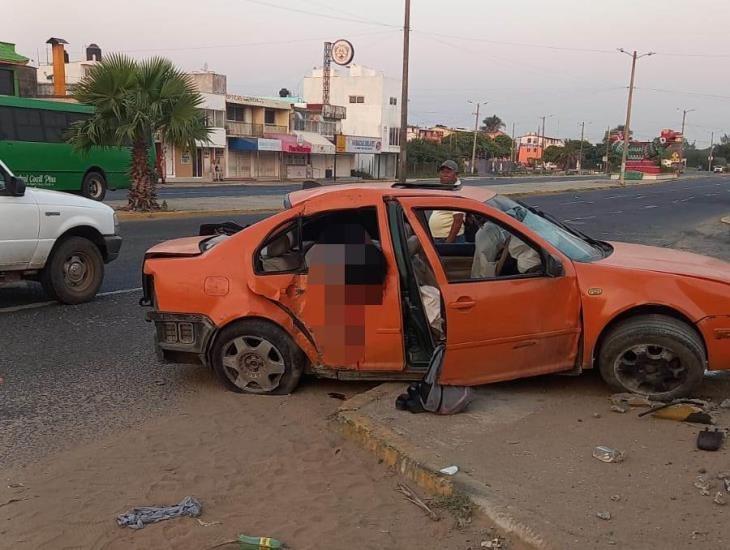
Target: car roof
[[380, 190]]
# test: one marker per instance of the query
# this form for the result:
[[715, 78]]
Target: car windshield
[[572, 243]]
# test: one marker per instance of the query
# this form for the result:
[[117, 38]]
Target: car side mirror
[[554, 267], [15, 186]]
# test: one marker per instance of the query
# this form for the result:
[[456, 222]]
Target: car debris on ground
[[607, 454], [137, 518]]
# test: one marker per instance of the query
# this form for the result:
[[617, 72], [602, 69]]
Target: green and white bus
[[33, 145]]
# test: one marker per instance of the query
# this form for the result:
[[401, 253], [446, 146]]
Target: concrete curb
[[726, 220], [396, 452]]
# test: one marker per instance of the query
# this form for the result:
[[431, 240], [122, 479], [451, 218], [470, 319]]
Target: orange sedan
[[366, 281]]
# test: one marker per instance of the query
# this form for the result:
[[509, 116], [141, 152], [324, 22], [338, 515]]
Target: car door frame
[[18, 245], [528, 345], [385, 342]]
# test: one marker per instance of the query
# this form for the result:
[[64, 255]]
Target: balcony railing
[[234, 128]]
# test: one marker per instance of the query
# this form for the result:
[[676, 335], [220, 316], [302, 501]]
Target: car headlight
[[116, 224]]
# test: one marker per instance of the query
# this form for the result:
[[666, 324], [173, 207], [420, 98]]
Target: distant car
[[59, 239], [718, 169], [359, 281]]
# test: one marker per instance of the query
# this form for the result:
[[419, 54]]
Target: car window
[[471, 246], [281, 253]]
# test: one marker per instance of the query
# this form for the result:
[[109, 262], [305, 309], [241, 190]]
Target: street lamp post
[[627, 126], [476, 129]]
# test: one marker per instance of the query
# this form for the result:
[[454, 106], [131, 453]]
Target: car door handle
[[463, 303]]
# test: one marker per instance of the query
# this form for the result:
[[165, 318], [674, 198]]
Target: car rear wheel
[[254, 356], [653, 355], [74, 271], [94, 186]]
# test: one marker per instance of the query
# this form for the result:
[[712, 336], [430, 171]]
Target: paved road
[[236, 190], [74, 372]]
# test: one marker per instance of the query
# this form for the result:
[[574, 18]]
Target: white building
[[74, 71], [371, 129]]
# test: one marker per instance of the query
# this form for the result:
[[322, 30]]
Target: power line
[[245, 44], [323, 15], [716, 96]]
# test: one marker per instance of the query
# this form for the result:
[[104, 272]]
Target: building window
[[394, 101], [214, 119], [234, 112], [296, 160], [269, 116], [7, 82], [357, 99], [394, 136]]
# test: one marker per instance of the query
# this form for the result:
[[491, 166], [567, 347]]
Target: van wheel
[[254, 356], [653, 355], [74, 271], [94, 186]]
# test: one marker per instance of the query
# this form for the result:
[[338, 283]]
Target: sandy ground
[[530, 444], [266, 466]]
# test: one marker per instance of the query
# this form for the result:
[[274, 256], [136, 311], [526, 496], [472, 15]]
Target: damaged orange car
[[358, 282]]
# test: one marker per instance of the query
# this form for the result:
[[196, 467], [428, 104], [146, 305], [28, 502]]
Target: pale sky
[[527, 58]]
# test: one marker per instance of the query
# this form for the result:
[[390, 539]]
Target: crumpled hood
[[187, 246], [667, 260]]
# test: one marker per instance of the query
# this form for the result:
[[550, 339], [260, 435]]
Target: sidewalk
[[271, 203], [524, 451]]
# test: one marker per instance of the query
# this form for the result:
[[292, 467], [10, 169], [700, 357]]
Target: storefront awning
[[242, 144], [320, 145], [291, 144]]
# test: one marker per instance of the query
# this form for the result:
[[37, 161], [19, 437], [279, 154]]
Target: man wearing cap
[[447, 226]]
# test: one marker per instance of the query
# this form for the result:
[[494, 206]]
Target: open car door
[[508, 325]]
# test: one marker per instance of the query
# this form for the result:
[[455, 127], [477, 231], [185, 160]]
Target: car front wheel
[[74, 271], [653, 355], [253, 356]]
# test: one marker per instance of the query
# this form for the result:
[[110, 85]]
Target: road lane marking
[[124, 291], [651, 206], [576, 202], [36, 305], [617, 212]]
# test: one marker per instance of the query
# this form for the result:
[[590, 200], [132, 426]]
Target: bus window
[[7, 127], [28, 125], [55, 126]]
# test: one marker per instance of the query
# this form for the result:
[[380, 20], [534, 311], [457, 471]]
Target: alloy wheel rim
[[650, 368], [253, 364]]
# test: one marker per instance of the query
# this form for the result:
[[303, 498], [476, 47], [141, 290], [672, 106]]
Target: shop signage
[[185, 158], [266, 144], [342, 52], [358, 144]]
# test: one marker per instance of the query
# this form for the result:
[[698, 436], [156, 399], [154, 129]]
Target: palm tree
[[492, 124], [135, 101]]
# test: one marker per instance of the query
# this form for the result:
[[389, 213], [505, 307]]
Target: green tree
[[135, 101], [492, 124]]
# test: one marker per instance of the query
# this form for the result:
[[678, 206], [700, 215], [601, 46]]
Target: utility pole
[[684, 117], [476, 129], [627, 126], [403, 167], [608, 149], [580, 154], [542, 140], [712, 149], [512, 148]]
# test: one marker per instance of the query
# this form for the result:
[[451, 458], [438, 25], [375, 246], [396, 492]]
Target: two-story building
[[371, 129], [259, 144], [532, 145]]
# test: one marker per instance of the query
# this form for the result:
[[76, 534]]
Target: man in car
[[447, 226]]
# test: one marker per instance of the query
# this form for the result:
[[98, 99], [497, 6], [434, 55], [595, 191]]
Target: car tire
[[657, 356], [94, 186], [255, 356], [74, 271]]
